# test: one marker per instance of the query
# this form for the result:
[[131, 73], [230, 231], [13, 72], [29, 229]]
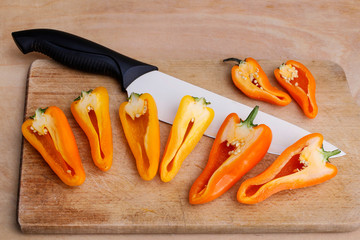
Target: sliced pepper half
[[249, 77], [303, 164], [91, 111], [238, 147], [300, 83], [49, 132], [192, 119], [140, 122]]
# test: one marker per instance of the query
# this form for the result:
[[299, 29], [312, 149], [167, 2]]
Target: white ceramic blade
[[168, 91]]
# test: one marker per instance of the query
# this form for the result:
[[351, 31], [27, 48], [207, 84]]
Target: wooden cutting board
[[118, 201]]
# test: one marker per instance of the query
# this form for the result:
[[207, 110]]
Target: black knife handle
[[82, 54]]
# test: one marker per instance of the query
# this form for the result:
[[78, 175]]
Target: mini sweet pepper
[[250, 78], [303, 164], [49, 132], [139, 119], [91, 111], [301, 85], [239, 145], [192, 118]]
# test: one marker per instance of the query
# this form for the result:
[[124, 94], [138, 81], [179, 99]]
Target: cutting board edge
[[18, 213], [181, 229]]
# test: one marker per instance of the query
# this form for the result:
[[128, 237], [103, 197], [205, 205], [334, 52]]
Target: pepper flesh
[[50, 134], [139, 119], [300, 83], [238, 147], [249, 77], [192, 119], [91, 112], [303, 164]]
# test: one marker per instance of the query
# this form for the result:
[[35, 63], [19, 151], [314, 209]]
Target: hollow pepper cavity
[[192, 119], [91, 111], [301, 85], [139, 119], [303, 164], [49, 132], [239, 145], [249, 77]]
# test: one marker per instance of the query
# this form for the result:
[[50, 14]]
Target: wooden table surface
[[311, 30]]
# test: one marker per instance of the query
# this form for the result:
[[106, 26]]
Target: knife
[[139, 77]]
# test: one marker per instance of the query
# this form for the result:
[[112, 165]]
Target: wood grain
[[119, 201]]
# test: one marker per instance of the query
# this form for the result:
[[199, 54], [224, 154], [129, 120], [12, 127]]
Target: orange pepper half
[[192, 119], [91, 111], [238, 147], [250, 78], [139, 119], [49, 132], [300, 83], [303, 164]]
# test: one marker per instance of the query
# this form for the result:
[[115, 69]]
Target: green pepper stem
[[249, 121], [201, 99], [328, 154], [83, 94], [134, 95], [38, 112], [238, 61]]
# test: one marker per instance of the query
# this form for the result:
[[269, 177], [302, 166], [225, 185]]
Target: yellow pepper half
[[192, 119], [91, 111]]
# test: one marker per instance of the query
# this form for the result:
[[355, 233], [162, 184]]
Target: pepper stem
[[134, 95], [202, 100], [249, 121], [328, 154], [233, 59], [38, 112], [83, 94]]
